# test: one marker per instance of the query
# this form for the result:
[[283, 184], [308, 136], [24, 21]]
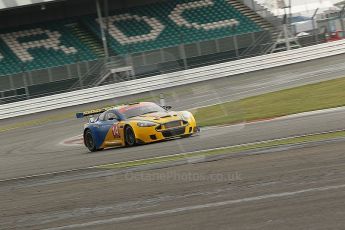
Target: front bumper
[[151, 134]]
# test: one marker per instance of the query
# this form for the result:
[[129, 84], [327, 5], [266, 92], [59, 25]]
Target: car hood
[[159, 117]]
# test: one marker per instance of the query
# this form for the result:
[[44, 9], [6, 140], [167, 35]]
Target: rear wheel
[[89, 141], [129, 136]]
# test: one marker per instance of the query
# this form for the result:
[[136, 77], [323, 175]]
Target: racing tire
[[130, 136], [89, 141]]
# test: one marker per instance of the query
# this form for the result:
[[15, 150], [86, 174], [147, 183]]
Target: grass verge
[[226, 150], [327, 94]]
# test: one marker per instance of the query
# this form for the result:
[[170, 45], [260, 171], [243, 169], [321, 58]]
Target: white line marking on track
[[197, 207], [312, 113], [73, 141]]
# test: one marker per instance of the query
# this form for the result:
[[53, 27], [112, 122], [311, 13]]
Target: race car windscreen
[[140, 109]]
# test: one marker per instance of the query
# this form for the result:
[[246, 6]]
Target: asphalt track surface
[[272, 189], [290, 189]]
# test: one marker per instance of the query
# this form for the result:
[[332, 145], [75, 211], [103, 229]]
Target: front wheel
[[129, 136], [89, 141]]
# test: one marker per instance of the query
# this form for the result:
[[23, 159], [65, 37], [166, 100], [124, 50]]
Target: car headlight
[[186, 115], [146, 124]]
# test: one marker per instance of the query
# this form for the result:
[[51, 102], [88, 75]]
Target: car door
[[110, 123]]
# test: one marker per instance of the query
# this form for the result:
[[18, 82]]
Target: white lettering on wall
[[116, 33], [176, 16], [20, 49]]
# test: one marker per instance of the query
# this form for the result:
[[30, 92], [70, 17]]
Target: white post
[[161, 99], [104, 39], [286, 36]]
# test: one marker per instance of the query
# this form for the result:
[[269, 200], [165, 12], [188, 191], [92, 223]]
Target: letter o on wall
[[176, 16], [116, 33]]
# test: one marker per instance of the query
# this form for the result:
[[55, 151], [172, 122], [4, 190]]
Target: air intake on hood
[[165, 116]]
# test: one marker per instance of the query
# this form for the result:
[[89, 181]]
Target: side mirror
[[167, 107], [92, 120]]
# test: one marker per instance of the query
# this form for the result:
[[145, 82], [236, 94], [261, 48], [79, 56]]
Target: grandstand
[[61, 51], [44, 46], [161, 25]]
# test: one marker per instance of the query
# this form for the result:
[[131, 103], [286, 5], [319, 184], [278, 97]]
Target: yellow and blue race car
[[133, 124]]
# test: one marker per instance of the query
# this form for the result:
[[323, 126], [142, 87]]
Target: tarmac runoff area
[[294, 187]]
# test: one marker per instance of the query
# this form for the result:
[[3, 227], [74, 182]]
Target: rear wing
[[98, 111], [91, 112]]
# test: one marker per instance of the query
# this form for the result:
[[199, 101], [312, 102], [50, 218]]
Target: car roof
[[130, 105]]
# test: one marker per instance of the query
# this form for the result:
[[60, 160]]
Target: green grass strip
[[226, 150], [323, 95]]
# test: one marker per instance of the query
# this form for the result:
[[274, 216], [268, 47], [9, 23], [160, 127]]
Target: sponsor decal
[[116, 131]]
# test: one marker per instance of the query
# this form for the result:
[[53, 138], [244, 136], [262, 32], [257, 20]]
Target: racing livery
[[133, 124]]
